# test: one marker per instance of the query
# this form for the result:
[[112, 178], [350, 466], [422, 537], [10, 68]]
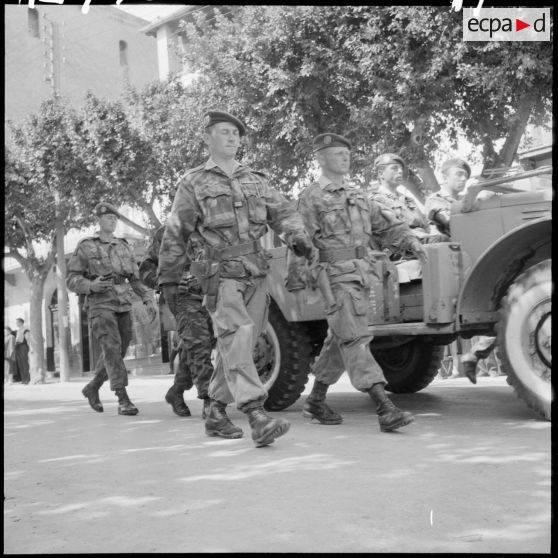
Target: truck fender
[[488, 280]]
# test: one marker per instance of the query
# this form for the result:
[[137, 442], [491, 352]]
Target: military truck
[[494, 278]]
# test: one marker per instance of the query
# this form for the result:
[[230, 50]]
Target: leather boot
[[389, 416], [316, 407], [91, 392], [470, 370], [264, 428], [125, 406], [205, 410], [217, 423], [176, 400]]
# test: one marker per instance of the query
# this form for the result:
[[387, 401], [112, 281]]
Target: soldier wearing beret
[[344, 225], [229, 206], [193, 328], [390, 169], [104, 269], [455, 173]]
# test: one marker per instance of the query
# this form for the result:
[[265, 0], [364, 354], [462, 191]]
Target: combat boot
[[176, 400], [264, 428], [125, 406], [91, 392], [389, 416], [217, 423], [470, 370], [316, 407], [205, 410]]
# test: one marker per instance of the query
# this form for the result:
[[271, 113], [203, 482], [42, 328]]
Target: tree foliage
[[388, 78]]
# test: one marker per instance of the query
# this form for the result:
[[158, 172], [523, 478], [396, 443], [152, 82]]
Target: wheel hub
[[543, 338]]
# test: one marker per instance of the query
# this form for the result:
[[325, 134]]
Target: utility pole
[[52, 65]]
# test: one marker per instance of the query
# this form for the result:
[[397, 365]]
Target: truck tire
[[410, 367], [283, 358], [524, 337]]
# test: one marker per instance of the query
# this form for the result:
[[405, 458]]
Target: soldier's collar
[[328, 184], [211, 164]]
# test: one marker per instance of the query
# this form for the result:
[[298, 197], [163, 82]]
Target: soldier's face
[[223, 140], [108, 222], [456, 179], [336, 160], [392, 174]]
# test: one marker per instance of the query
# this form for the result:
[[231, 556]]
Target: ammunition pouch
[[208, 271]]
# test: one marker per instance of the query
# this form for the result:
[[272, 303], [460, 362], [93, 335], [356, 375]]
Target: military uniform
[[230, 213], [439, 203], [405, 207], [193, 326], [345, 226], [109, 311]]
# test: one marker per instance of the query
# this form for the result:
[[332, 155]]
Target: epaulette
[[191, 171], [261, 173]]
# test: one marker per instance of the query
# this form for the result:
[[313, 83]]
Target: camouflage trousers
[[196, 333], [480, 349], [346, 346], [113, 331], [239, 318]]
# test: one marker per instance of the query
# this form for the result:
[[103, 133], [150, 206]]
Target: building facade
[[57, 48]]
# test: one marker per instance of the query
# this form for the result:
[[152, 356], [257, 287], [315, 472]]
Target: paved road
[[472, 475]]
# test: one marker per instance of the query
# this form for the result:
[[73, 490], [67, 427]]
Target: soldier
[[343, 224], [455, 173], [230, 206], [103, 268], [389, 169], [194, 329]]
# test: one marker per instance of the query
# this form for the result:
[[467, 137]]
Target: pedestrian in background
[[9, 355], [229, 206], [22, 351], [103, 267], [193, 340], [344, 224]]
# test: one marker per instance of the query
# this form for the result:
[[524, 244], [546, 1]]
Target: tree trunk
[[37, 365], [62, 306]]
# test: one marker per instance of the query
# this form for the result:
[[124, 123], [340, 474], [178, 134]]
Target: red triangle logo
[[519, 25]]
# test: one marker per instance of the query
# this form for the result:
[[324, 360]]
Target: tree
[[388, 78], [48, 186]]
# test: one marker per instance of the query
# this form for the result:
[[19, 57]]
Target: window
[[33, 22]]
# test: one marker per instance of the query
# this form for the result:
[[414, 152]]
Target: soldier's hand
[[99, 285], [170, 290], [150, 308], [302, 246]]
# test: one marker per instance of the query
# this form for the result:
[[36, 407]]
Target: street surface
[[471, 475]]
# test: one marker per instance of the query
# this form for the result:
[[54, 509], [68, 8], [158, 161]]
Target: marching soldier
[[194, 329], [344, 224], [104, 269], [230, 206]]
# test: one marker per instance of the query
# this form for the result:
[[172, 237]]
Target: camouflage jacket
[[405, 208], [148, 266], [438, 202], [93, 258], [341, 216], [224, 211]]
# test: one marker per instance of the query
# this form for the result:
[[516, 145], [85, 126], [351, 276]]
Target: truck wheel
[[410, 367], [525, 335], [283, 358]]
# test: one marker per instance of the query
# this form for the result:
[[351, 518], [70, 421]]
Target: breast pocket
[[216, 205], [333, 220], [257, 211]]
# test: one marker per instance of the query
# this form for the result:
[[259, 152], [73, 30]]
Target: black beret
[[215, 116], [387, 159], [459, 163], [104, 208], [330, 140]]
